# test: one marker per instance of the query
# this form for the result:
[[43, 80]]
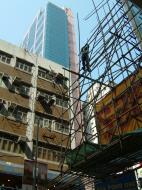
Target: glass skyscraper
[[135, 16], [48, 35]]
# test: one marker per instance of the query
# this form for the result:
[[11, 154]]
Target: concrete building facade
[[34, 121], [90, 120]]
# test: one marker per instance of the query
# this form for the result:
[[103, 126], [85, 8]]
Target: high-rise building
[[34, 118], [134, 8], [48, 35], [90, 121], [52, 35]]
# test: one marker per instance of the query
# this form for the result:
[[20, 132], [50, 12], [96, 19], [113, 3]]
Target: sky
[[17, 15]]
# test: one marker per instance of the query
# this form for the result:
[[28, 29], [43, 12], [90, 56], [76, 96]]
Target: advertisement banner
[[29, 167], [120, 111]]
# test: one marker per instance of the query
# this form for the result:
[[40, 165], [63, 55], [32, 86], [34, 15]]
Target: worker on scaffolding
[[85, 57]]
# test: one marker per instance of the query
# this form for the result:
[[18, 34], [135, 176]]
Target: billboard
[[29, 166], [120, 111], [126, 181]]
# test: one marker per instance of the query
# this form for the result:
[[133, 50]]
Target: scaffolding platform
[[99, 161]]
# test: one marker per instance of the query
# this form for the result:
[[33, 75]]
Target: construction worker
[[85, 57]]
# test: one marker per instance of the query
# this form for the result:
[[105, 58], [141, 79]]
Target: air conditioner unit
[[53, 98], [59, 76], [4, 103], [12, 105], [5, 76], [17, 80], [40, 96], [22, 139], [11, 79], [23, 91], [51, 102], [12, 88]]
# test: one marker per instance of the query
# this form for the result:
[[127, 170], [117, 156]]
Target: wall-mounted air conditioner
[[12, 105], [22, 139]]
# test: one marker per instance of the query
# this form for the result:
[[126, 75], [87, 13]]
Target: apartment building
[[34, 118], [90, 122]]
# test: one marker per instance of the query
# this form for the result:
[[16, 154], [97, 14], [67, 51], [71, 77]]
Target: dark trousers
[[85, 62]]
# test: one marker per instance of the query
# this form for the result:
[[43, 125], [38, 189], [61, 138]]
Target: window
[[23, 66], [49, 155], [18, 114], [44, 74], [38, 121], [58, 127], [60, 79], [65, 103], [55, 156], [44, 122], [41, 93], [25, 90], [3, 108], [61, 102], [15, 88], [44, 154], [66, 129], [39, 152], [10, 146], [61, 128], [48, 123], [5, 57], [4, 80], [4, 145], [16, 148]]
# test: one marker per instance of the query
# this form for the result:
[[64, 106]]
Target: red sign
[[41, 171]]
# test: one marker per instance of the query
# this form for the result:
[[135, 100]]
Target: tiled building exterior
[[33, 106]]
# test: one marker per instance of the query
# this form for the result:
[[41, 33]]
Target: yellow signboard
[[120, 111]]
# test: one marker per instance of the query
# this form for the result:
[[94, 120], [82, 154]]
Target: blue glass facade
[[137, 14], [56, 36], [32, 35], [48, 35]]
